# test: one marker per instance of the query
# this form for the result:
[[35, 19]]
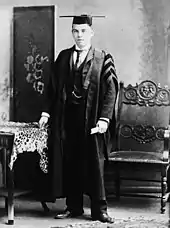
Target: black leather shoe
[[67, 214], [103, 217]]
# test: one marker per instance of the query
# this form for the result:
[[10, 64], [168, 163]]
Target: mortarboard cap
[[82, 19]]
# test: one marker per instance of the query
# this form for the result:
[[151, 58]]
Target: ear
[[92, 32]]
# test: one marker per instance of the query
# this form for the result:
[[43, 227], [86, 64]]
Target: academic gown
[[102, 89]]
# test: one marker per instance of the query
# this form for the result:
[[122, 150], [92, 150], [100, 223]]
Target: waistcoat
[[76, 94]]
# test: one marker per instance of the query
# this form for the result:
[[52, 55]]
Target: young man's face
[[82, 34]]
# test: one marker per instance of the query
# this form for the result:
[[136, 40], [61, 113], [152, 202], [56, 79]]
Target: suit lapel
[[71, 58]]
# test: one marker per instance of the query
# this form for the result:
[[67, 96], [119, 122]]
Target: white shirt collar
[[86, 48]]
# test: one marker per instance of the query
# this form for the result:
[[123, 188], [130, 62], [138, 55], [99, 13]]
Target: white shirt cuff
[[105, 119], [45, 114]]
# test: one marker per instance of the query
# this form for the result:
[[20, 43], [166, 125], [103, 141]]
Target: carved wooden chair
[[142, 143]]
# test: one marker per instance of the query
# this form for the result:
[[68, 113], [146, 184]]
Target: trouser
[[77, 185], [78, 163]]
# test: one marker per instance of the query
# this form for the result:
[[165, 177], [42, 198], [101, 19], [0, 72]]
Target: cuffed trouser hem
[[98, 207], [75, 204]]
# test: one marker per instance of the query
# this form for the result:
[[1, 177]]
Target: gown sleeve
[[110, 84]]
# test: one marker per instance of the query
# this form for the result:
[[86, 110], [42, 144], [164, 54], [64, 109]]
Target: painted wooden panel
[[33, 54]]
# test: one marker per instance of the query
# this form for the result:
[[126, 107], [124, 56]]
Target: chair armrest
[[166, 145]]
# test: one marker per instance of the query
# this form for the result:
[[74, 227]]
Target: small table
[[16, 138]]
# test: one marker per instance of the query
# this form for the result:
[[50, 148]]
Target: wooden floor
[[29, 214]]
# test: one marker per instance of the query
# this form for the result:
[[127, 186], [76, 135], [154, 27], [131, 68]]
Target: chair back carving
[[142, 122], [147, 93]]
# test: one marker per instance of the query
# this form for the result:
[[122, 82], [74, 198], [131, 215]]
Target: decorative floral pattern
[[3, 116], [34, 68], [5, 90]]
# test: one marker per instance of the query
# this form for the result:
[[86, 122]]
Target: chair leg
[[164, 187], [45, 207], [117, 183], [6, 204]]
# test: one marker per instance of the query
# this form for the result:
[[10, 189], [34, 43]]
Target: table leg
[[4, 164]]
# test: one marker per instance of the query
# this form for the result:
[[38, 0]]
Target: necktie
[[77, 63]]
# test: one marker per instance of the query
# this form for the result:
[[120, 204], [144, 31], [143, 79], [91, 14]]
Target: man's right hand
[[43, 121]]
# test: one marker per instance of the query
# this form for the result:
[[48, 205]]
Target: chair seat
[[137, 156]]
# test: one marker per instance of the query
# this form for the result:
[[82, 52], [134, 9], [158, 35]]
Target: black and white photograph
[[85, 113]]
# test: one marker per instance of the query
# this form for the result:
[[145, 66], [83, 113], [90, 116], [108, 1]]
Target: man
[[79, 107]]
